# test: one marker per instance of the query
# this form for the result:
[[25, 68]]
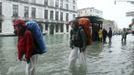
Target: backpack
[[85, 23], [76, 38], [38, 36]]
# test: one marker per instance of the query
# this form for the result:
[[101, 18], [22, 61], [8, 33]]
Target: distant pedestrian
[[104, 32], [100, 34], [110, 34], [26, 46], [124, 35]]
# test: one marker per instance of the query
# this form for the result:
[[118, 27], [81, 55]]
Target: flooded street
[[116, 58]]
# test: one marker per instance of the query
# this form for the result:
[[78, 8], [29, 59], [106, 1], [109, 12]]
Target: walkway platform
[[11, 34]]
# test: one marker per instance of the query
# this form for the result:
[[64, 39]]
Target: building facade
[[90, 12], [112, 24], [52, 15]]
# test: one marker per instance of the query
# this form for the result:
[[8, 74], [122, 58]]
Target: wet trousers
[[74, 54], [30, 67], [123, 38], [110, 39]]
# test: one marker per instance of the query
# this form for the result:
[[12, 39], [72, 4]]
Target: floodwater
[[114, 58]]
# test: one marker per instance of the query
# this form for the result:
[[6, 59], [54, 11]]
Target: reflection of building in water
[[53, 15]]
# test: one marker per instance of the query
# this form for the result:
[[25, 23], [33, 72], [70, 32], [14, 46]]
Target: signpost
[[130, 14], [129, 1]]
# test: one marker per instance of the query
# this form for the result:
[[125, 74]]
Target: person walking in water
[[124, 35], [110, 34], [100, 34], [26, 46], [78, 41], [104, 32]]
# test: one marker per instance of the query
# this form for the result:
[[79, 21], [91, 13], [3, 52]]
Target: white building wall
[[64, 3], [54, 14], [48, 13], [7, 23], [20, 10], [40, 2], [30, 9], [7, 27], [51, 2], [70, 4], [112, 24], [39, 12], [7, 10], [90, 12]]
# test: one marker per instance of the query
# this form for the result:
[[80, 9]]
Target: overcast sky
[[111, 11]]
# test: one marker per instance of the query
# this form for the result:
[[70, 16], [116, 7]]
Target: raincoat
[[26, 45]]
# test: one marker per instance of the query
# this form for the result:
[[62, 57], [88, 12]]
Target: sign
[[130, 1], [130, 13]]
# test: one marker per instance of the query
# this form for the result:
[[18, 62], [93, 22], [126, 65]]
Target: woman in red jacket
[[26, 46]]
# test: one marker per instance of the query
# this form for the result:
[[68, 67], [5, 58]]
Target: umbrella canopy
[[93, 19]]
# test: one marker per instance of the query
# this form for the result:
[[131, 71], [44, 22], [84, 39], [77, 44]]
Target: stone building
[[52, 15]]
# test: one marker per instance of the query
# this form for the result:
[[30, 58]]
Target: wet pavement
[[116, 58]]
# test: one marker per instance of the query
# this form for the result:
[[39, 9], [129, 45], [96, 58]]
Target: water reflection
[[7, 45], [1, 38], [99, 60], [95, 49], [123, 43], [55, 39], [81, 70], [110, 44]]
